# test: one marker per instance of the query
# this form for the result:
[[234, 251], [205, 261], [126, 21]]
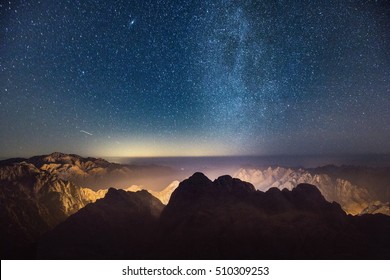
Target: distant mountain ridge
[[94, 173], [354, 192]]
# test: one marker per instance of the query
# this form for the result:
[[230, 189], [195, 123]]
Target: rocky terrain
[[41, 193], [222, 219], [97, 173], [33, 201], [35, 197]]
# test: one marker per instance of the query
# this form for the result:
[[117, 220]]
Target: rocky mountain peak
[[308, 190], [229, 184]]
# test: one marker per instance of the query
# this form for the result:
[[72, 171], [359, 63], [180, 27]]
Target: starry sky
[[194, 78]]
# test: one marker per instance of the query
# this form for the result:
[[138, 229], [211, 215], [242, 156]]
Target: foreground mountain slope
[[120, 224], [33, 201], [228, 218], [222, 219]]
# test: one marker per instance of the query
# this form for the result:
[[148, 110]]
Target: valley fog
[[213, 167]]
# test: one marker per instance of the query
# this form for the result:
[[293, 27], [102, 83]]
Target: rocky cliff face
[[33, 201], [165, 194], [353, 198]]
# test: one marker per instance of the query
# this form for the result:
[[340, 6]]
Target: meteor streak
[[86, 132]]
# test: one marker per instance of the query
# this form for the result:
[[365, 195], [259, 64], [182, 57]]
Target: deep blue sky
[[169, 78]]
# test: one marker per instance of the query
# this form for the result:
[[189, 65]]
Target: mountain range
[[97, 173], [222, 219], [358, 190], [37, 194], [48, 211]]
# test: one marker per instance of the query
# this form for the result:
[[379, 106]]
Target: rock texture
[[33, 201], [94, 173], [377, 208]]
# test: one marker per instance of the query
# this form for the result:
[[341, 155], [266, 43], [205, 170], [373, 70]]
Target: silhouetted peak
[[228, 183], [200, 184], [308, 190], [111, 192], [308, 197], [194, 186], [198, 177], [198, 189], [275, 190], [225, 177]]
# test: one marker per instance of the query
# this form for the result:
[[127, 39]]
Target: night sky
[[192, 78]]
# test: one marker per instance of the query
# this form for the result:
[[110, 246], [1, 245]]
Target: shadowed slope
[[117, 226], [222, 219]]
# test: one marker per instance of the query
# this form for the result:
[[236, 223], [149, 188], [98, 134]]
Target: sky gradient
[[194, 78]]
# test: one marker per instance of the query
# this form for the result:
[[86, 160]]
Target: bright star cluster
[[194, 78]]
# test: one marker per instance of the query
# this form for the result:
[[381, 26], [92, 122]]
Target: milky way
[[149, 78]]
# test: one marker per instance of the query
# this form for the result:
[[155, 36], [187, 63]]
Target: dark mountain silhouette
[[227, 218], [224, 219], [121, 224]]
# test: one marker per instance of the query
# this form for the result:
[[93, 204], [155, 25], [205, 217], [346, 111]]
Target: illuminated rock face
[[353, 198], [34, 201], [95, 173], [165, 194], [377, 208]]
